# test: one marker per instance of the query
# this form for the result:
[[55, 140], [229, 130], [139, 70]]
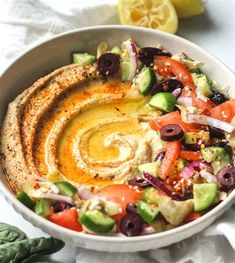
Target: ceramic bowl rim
[[32, 216]]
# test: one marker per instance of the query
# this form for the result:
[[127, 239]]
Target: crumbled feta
[[210, 178], [222, 196], [189, 63]]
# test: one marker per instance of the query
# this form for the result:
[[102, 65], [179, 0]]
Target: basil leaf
[[24, 251], [10, 234]]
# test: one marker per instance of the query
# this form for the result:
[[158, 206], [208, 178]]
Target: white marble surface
[[214, 31]]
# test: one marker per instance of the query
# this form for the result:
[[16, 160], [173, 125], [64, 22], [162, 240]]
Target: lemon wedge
[[188, 8], [155, 14]]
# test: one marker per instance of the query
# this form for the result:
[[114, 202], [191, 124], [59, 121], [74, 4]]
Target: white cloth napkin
[[23, 22]]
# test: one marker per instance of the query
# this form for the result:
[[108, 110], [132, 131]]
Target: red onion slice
[[148, 230], [64, 198], [188, 172], [159, 185], [206, 120], [194, 167], [40, 178], [209, 177], [184, 101], [84, 193], [131, 48], [134, 54], [177, 92]]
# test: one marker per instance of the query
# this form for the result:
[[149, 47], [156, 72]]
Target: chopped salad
[[191, 174]]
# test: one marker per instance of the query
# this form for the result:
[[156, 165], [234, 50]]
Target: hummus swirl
[[87, 130], [132, 150]]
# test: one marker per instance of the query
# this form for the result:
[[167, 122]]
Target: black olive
[[60, 206], [226, 177], [222, 143], [131, 208], [217, 133], [229, 150], [140, 182], [218, 98], [160, 156], [146, 54], [188, 194], [171, 132], [210, 208], [192, 147], [108, 64], [168, 85], [131, 224], [217, 142]]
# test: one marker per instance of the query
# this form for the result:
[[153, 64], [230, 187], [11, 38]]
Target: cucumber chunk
[[164, 101], [83, 59], [211, 154], [43, 208], [203, 84], [101, 49], [147, 212], [145, 80], [116, 50], [66, 188], [126, 68], [111, 208], [217, 156], [195, 137], [36, 192], [151, 168], [204, 196], [180, 164], [26, 200], [195, 70], [140, 65], [217, 165], [149, 195], [159, 224], [97, 221]]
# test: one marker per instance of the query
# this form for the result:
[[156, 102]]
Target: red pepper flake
[[36, 186]]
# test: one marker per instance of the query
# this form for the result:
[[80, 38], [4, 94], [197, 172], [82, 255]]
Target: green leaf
[[10, 234], [25, 250]]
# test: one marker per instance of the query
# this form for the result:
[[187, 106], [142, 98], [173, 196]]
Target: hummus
[[73, 124]]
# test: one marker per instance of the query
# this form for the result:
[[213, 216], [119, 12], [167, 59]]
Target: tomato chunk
[[172, 118], [168, 67], [168, 162], [67, 218], [190, 155], [189, 90], [192, 217], [225, 111], [121, 194], [205, 105]]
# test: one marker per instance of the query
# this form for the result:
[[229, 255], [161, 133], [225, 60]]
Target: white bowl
[[56, 52]]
